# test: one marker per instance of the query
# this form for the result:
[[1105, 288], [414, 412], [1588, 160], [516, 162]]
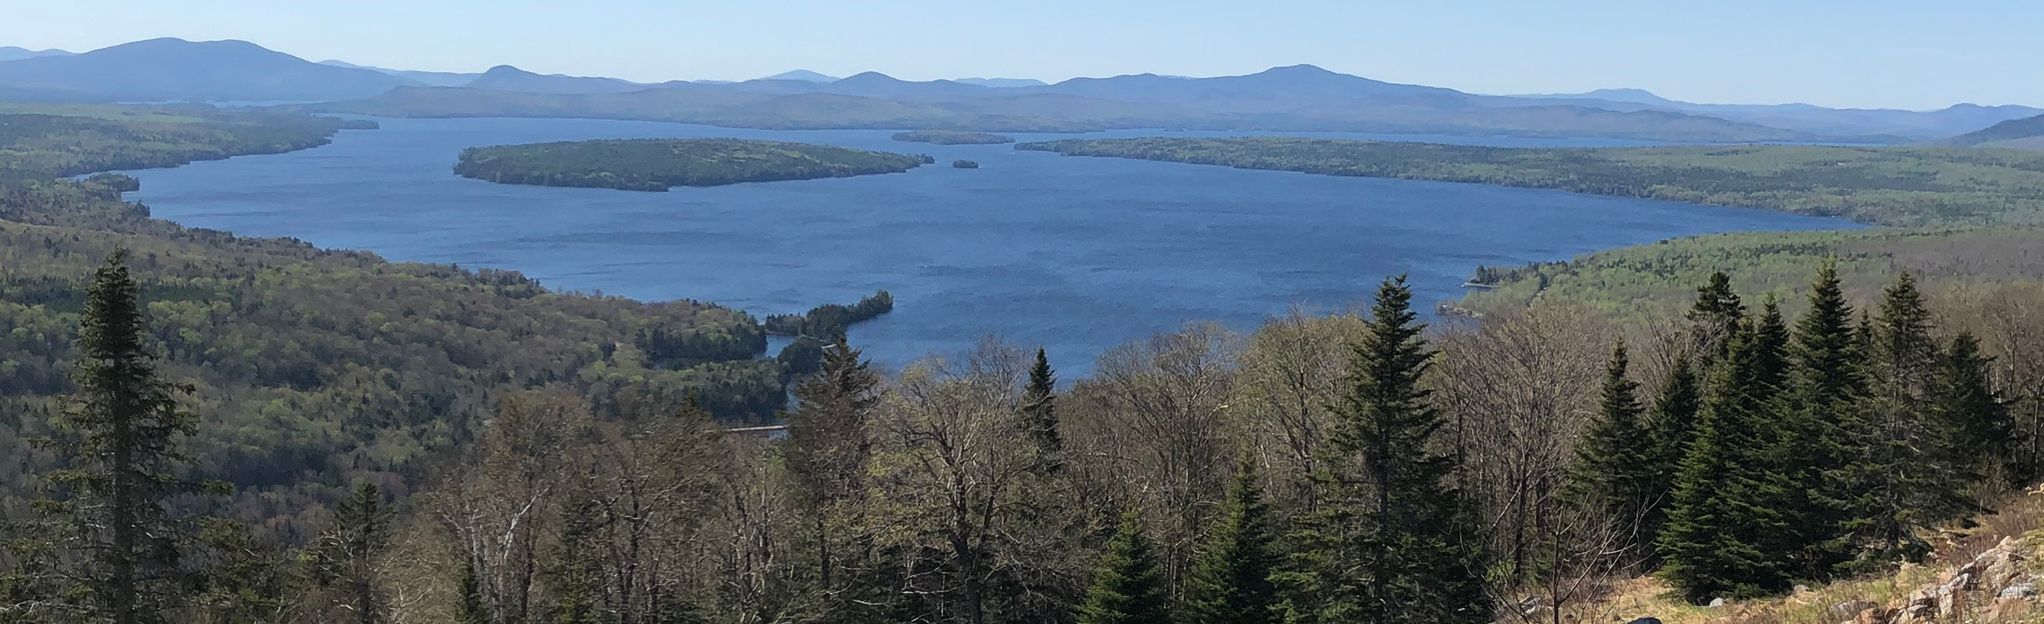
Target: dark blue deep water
[[1075, 254]]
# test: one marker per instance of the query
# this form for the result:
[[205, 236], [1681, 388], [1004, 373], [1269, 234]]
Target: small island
[[952, 137], [964, 164], [660, 164]]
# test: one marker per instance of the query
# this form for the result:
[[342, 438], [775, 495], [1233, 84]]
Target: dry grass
[[2021, 515]]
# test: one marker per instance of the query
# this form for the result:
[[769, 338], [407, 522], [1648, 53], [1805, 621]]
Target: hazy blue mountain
[[1802, 117], [801, 75], [2025, 133], [508, 78], [1001, 83], [1278, 87], [175, 69], [14, 53], [879, 85], [425, 78]]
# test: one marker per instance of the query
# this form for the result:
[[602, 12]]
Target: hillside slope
[[174, 69]]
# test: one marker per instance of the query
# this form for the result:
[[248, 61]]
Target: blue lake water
[[1074, 254]]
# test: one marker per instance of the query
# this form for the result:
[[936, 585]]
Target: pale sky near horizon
[[1866, 53]]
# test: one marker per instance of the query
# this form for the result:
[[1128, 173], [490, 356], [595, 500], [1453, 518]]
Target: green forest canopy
[[658, 164], [1903, 186]]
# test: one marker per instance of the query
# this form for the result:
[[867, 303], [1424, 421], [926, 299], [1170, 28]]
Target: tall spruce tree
[[1900, 481], [1039, 406], [1670, 426], [1231, 577], [1393, 542], [346, 554], [1714, 319], [469, 607], [829, 445], [1821, 414], [1963, 397], [1129, 588], [1726, 524], [121, 439], [1613, 471], [574, 575]]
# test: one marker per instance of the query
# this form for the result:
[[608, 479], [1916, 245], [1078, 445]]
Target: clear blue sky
[[1911, 54]]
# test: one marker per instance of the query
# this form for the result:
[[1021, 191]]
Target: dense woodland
[[658, 164], [953, 137], [1901, 186], [220, 429]]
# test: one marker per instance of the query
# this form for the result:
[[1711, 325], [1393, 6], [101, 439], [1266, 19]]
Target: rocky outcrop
[[1995, 587]]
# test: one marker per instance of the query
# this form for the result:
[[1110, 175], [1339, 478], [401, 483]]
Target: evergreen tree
[[121, 439], [1962, 396], [1726, 523], [1231, 581], [574, 576], [1820, 415], [470, 608], [1039, 406], [1129, 588], [346, 554], [1393, 542], [1612, 472], [1900, 481], [1714, 319], [828, 444], [1670, 426]]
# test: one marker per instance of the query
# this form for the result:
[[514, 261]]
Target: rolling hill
[[1841, 122], [508, 78], [2025, 133]]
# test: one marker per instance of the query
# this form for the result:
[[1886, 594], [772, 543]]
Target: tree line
[[1354, 467]]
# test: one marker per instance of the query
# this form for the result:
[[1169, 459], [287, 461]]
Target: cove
[[1073, 254]]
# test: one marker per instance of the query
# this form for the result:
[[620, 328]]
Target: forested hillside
[[657, 164], [314, 369], [1884, 185]]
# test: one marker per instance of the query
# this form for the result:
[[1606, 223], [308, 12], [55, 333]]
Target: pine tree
[[1129, 588], [1726, 522], [1714, 319], [1393, 542], [1231, 581], [1612, 472], [1962, 396], [121, 438], [1821, 414], [1039, 406], [346, 554]]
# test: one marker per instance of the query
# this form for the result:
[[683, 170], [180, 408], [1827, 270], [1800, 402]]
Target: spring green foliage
[[1231, 581], [346, 555], [1129, 587], [1651, 281], [1392, 542], [44, 141], [659, 164], [1886, 185], [953, 137]]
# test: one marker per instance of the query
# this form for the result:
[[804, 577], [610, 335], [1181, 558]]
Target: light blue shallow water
[[1075, 254]]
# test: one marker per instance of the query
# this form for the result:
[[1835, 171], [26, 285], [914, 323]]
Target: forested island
[[1884, 185], [953, 137], [660, 164]]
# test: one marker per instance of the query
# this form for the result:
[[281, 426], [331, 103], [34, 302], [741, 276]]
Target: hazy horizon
[[1826, 52]]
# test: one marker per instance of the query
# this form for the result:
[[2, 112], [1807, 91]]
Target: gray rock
[[1716, 602], [1849, 609], [2019, 590], [1646, 620]]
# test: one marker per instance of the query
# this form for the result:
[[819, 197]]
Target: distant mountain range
[[1810, 118], [1299, 97]]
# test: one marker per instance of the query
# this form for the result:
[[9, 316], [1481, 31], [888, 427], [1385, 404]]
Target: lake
[[1074, 254]]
